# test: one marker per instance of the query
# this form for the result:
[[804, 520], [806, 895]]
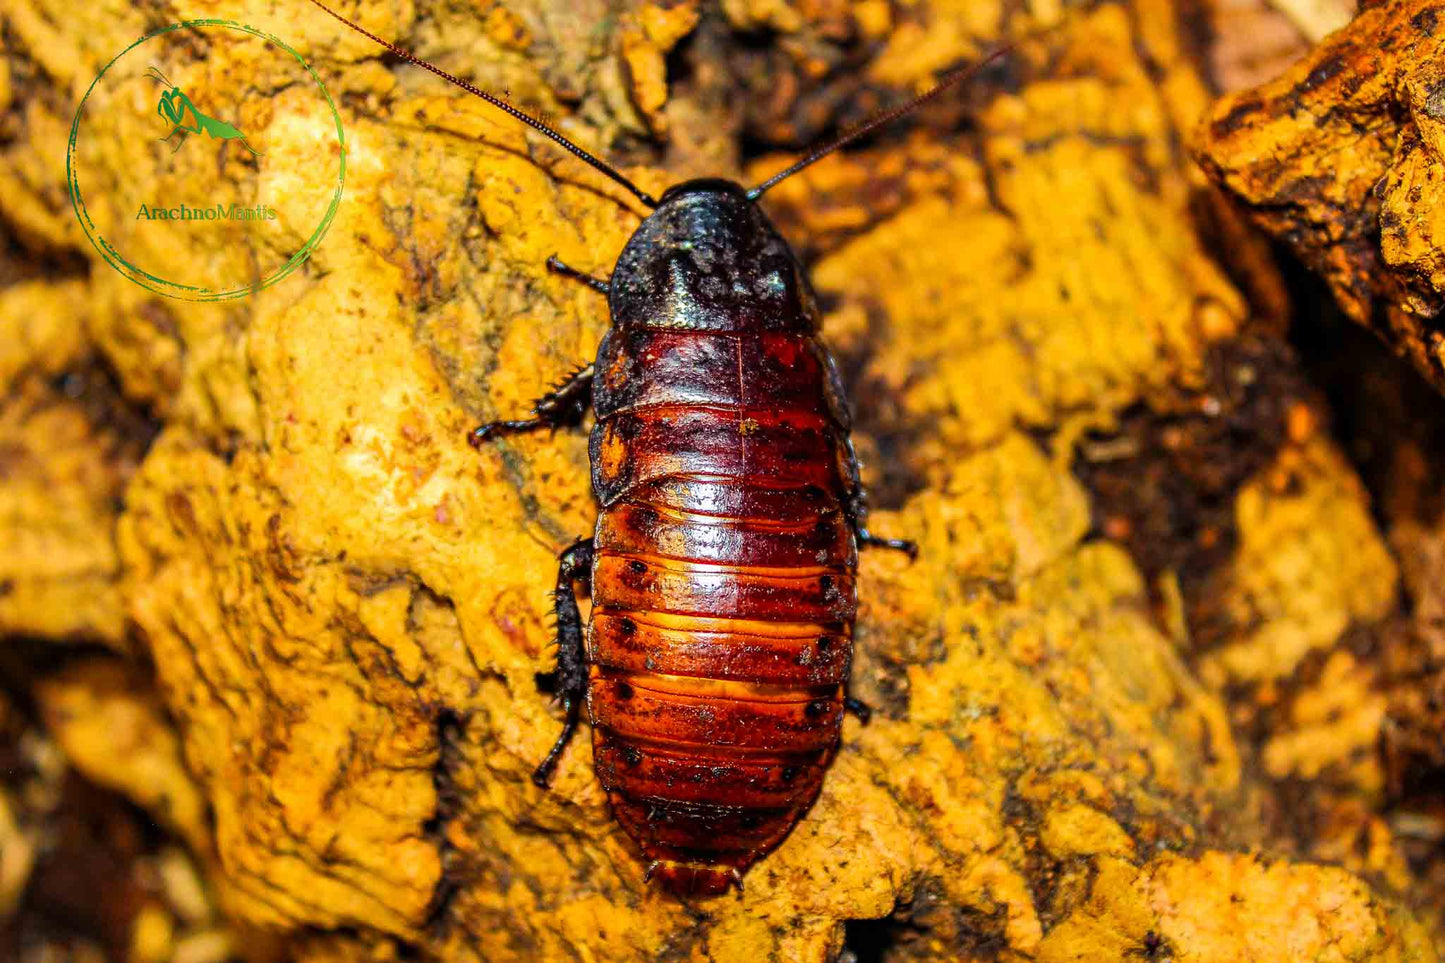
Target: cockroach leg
[[554, 263], [563, 406], [857, 510], [575, 566], [859, 708], [867, 539]]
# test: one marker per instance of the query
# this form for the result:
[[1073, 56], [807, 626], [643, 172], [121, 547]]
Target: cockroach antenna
[[952, 79], [501, 104]]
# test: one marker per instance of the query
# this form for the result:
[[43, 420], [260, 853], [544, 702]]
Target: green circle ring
[[176, 289]]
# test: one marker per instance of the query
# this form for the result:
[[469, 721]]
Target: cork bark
[[1338, 157], [1121, 706]]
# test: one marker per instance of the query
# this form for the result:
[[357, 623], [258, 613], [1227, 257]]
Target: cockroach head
[[708, 259], [704, 185]]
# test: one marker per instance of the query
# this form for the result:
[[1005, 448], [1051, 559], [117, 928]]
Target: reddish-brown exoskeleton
[[723, 565]]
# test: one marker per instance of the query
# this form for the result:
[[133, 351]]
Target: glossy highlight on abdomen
[[723, 593]]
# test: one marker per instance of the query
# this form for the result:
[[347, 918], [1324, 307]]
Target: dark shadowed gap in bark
[[87, 884]]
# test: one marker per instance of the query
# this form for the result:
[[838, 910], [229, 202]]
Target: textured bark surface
[[1123, 708], [1339, 157]]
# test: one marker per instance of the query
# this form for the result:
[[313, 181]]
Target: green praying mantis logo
[[220, 203], [174, 107]]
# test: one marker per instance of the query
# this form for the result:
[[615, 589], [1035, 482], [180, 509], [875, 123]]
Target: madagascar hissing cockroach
[[723, 563]]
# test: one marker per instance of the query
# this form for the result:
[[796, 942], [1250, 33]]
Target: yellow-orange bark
[[346, 605]]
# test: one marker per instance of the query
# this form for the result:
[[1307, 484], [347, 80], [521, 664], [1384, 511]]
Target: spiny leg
[[554, 263], [867, 539], [575, 566], [857, 511], [563, 406]]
